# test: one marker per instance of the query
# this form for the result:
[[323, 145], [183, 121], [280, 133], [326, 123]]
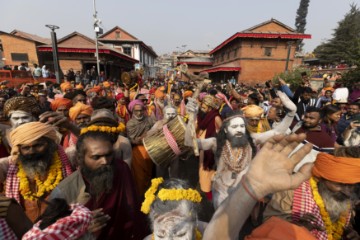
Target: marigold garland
[[179, 194], [167, 195], [53, 179], [333, 230], [198, 235], [150, 195], [94, 128]]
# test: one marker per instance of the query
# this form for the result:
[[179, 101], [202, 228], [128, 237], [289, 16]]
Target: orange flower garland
[[53, 179], [94, 128], [333, 230]]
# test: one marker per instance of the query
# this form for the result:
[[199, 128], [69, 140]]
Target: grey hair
[[158, 207], [169, 106]]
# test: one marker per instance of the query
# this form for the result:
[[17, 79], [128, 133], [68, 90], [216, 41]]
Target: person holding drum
[[170, 171], [137, 128]]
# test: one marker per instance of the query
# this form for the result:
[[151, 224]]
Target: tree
[[292, 77], [345, 44], [300, 21]]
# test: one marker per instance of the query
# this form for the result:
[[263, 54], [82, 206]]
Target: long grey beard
[[334, 207]]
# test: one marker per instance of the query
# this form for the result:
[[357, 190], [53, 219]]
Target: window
[[127, 50], [222, 57], [235, 52], [267, 51], [228, 55], [20, 57], [117, 35]]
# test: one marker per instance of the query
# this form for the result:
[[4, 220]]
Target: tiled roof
[[32, 37]]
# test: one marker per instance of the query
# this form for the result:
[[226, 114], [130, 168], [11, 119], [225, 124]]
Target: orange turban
[[78, 109], [188, 94], [79, 86], [61, 102], [159, 94], [106, 84], [65, 86], [278, 229], [337, 169], [29, 132], [96, 89], [253, 111]]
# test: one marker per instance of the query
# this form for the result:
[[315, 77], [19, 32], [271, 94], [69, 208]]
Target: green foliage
[[351, 77], [345, 44], [292, 77], [300, 20]]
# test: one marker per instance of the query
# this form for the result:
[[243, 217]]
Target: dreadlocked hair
[[57, 208]]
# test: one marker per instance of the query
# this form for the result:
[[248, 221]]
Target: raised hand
[[272, 169], [192, 106]]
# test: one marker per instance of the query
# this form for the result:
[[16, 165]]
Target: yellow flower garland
[[150, 194], [179, 194], [53, 179], [167, 195], [94, 128], [333, 230], [198, 235]]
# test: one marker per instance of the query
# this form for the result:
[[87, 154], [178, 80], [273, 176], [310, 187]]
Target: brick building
[[255, 54], [197, 61], [77, 51], [19, 47], [119, 39]]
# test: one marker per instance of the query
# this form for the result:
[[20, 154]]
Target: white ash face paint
[[19, 117]]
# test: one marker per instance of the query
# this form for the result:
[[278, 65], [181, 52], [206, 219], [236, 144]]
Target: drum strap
[[170, 139]]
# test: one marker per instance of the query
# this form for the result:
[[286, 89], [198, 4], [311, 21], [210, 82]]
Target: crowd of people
[[102, 160]]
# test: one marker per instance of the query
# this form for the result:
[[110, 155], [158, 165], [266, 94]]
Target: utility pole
[[97, 31], [288, 55], [55, 51]]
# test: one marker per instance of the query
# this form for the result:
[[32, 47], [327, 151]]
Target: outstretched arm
[[285, 123], [266, 175], [207, 144]]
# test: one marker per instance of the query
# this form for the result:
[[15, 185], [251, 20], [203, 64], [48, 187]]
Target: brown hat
[[211, 101], [21, 103]]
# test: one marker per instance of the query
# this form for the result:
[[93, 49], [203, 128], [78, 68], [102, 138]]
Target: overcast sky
[[167, 24]]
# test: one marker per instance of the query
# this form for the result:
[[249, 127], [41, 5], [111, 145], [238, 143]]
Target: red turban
[[119, 96], [152, 90], [61, 102], [337, 169], [78, 109]]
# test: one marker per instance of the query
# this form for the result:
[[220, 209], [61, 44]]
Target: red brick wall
[[271, 27], [256, 67], [16, 45], [123, 36], [77, 41], [67, 64]]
